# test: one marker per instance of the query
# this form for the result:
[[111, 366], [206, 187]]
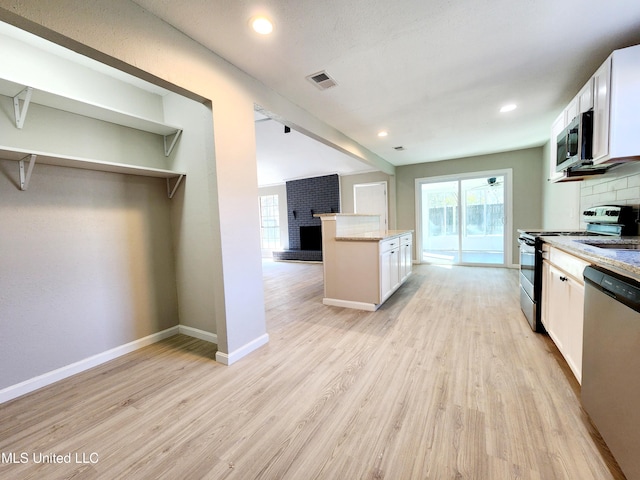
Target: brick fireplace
[[305, 198]]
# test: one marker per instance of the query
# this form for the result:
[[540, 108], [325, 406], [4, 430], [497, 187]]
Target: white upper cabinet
[[581, 103], [613, 93], [584, 98], [571, 111], [556, 129], [616, 107], [602, 102]]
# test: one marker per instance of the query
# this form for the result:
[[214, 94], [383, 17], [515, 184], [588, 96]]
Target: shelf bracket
[[25, 177], [170, 142], [21, 113], [171, 190]]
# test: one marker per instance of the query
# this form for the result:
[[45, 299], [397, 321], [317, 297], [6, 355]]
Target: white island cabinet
[[363, 266]]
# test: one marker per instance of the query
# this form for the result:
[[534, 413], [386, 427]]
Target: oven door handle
[[525, 243]]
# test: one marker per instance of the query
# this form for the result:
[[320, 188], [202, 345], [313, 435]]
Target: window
[[269, 222], [465, 219]]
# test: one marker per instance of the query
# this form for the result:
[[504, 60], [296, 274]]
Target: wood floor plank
[[446, 380]]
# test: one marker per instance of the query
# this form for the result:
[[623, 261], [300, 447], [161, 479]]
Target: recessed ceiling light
[[262, 25], [383, 133], [508, 108]]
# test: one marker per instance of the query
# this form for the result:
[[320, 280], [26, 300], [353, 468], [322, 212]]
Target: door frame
[[508, 209]]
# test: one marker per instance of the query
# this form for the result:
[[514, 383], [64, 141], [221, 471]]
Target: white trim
[[61, 373], [197, 333], [238, 353], [335, 302]]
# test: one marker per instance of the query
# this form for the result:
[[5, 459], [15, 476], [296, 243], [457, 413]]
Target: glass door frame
[[508, 211]]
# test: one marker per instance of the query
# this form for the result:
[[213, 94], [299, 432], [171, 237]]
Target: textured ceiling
[[288, 156], [434, 73]]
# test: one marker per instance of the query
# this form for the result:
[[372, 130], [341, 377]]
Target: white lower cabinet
[[563, 305], [406, 254], [389, 268]]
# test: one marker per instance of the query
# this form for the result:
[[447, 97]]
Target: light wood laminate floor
[[445, 381]]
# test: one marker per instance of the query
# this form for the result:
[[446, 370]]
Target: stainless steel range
[[609, 220]]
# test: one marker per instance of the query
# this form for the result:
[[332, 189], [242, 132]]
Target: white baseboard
[[22, 388], [197, 333], [53, 376], [335, 302], [238, 353]]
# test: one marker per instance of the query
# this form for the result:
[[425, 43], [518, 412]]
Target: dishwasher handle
[[624, 289]]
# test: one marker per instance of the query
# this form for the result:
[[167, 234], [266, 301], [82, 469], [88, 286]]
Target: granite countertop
[[626, 262], [374, 236], [320, 215]]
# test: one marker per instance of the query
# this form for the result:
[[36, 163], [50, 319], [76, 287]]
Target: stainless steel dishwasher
[[611, 363]]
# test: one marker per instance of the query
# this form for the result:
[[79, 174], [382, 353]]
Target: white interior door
[[371, 198]]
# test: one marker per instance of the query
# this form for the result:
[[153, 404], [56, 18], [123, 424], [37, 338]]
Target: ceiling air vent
[[322, 80]]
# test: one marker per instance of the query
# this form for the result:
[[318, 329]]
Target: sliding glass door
[[463, 219]]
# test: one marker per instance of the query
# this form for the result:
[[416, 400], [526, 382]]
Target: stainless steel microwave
[[574, 144]]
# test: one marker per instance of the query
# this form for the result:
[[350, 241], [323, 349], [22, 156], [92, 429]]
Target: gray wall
[[346, 191], [196, 242], [527, 185], [86, 266], [104, 257], [51, 130]]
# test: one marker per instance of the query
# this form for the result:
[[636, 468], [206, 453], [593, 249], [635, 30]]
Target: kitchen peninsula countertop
[[625, 262], [373, 236]]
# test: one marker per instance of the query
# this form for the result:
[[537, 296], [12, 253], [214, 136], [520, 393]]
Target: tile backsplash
[[620, 186]]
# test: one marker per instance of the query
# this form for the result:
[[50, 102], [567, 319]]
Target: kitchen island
[[363, 265]]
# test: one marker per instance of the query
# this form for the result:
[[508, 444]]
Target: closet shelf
[[28, 158], [27, 95]]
